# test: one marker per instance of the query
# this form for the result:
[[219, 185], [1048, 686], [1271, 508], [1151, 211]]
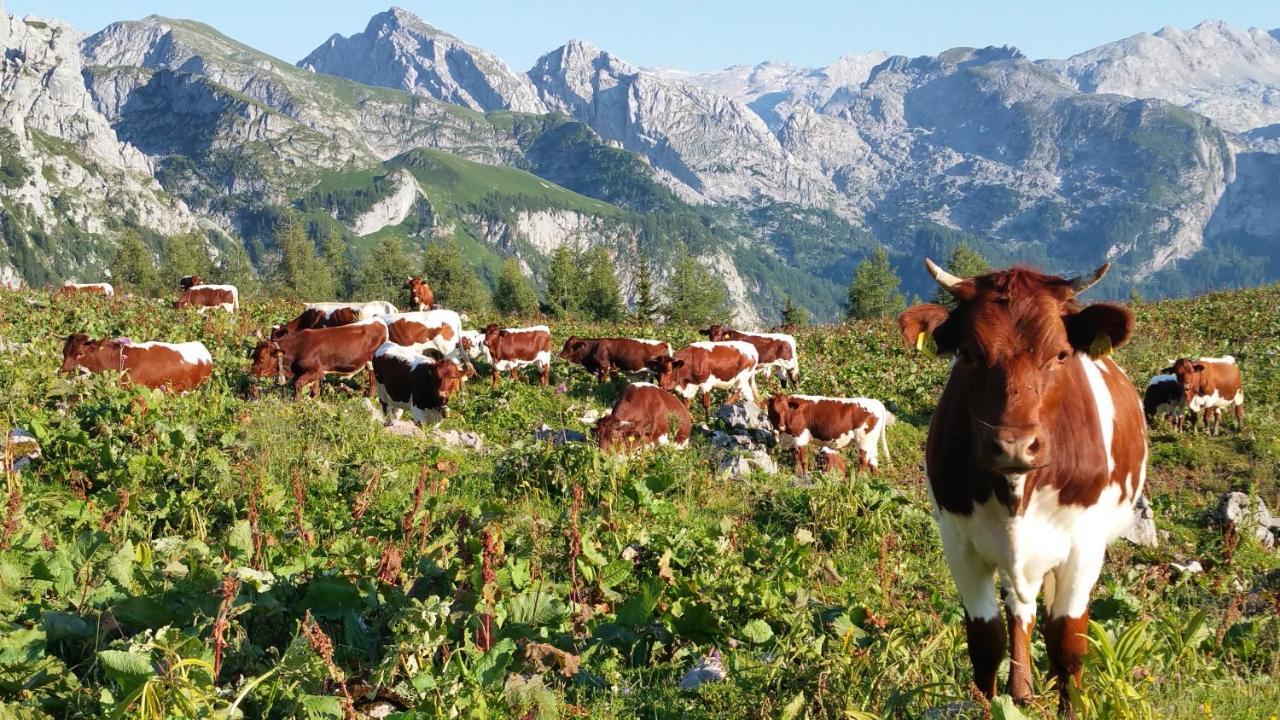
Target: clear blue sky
[[692, 34]]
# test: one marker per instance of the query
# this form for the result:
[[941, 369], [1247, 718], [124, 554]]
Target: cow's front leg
[[544, 375], [302, 381], [1020, 616], [706, 402], [1067, 623], [370, 382], [495, 379], [801, 456], [975, 581]]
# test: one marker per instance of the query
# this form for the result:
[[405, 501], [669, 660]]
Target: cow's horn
[[1080, 283], [948, 281]]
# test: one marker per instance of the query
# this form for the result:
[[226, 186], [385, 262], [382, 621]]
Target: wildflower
[[562, 389]]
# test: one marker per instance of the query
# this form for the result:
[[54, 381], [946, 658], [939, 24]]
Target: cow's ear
[[1166, 371], [1198, 367], [1098, 323], [793, 404], [928, 321], [677, 363], [502, 333]]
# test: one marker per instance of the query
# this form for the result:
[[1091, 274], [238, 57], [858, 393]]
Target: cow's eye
[[1063, 355]]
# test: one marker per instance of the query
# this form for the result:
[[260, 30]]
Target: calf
[[831, 461], [204, 297], [830, 422], [605, 356], [315, 319], [189, 281], [1163, 398], [432, 330], [1209, 386], [410, 381], [175, 367], [644, 414], [420, 295], [1036, 455], [70, 288], [513, 348], [776, 350], [363, 310], [706, 366], [309, 355]]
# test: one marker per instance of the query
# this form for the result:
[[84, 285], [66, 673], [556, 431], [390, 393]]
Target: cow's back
[[178, 368]]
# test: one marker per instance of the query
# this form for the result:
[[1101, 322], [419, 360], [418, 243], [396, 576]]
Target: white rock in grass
[[1143, 530], [460, 438], [1249, 515], [1190, 568], [20, 448], [736, 465], [710, 669], [404, 428]]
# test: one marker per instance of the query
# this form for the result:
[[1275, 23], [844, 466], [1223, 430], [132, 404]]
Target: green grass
[[833, 598]]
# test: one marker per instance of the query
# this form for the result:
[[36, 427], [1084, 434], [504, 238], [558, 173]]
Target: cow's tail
[[889, 419]]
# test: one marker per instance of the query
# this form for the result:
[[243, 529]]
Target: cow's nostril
[[998, 448], [1034, 447]]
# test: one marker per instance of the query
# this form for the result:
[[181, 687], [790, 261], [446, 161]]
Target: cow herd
[[1035, 456]]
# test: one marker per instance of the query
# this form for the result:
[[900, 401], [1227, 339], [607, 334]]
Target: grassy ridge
[[826, 601]]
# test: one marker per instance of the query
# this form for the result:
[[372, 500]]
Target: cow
[[176, 367], [604, 356], [512, 348], [408, 380], [1209, 386], [420, 295], [309, 355], [70, 288], [776, 350], [830, 422], [1036, 455], [432, 330], [363, 310], [187, 282], [705, 366], [644, 414], [315, 319], [831, 461], [205, 297], [1163, 398]]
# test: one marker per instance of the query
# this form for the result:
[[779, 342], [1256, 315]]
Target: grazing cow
[[605, 356], [177, 367], [644, 414], [309, 355], [1036, 455], [831, 461], [420, 295], [513, 348], [706, 366], [189, 281], [410, 381], [1163, 398], [363, 310], [1211, 385], [70, 288], [314, 319], [831, 423], [204, 297], [435, 330], [776, 350]]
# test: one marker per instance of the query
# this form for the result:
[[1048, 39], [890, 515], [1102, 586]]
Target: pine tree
[[874, 289], [301, 273], [382, 272], [134, 269], [601, 297], [964, 263], [646, 310], [236, 269], [183, 255], [695, 296], [794, 315], [564, 281], [453, 281], [338, 261], [514, 294]]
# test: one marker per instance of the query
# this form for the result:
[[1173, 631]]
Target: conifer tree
[[514, 294], [134, 270], [601, 297], [564, 280], [646, 310], [452, 280], [383, 270], [694, 295], [874, 289], [794, 315]]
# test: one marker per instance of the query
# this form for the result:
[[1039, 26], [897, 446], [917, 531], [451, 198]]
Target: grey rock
[[738, 464], [1190, 568], [1249, 515], [710, 669], [1143, 530], [558, 437], [404, 428], [743, 414], [20, 449], [460, 439]]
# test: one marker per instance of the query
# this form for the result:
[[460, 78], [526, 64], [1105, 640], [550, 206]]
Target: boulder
[[1250, 516], [743, 414], [735, 442], [1143, 530], [20, 448], [460, 439], [736, 464], [709, 669], [404, 428]]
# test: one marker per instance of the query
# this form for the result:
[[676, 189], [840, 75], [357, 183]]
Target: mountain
[[398, 50], [1230, 76]]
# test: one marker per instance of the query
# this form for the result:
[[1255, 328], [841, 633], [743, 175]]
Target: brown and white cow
[[509, 349], [431, 330], [644, 414], [408, 380], [177, 367], [1036, 455], [776, 350], [363, 310], [1163, 398], [829, 422], [315, 319], [604, 356], [1209, 386], [308, 355], [186, 282], [205, 297], [831, 461], [70, 288], [420, 295], [705, 366]]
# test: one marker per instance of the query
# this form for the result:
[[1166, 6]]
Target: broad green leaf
[[757, 631], [127, 669]]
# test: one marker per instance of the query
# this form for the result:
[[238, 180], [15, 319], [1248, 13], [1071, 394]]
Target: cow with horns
[[1036, 455]]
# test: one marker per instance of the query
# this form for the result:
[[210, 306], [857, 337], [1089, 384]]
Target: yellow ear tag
[[1101, 346], [926, 344]]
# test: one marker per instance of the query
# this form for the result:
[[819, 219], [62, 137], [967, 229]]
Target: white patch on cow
[[1104, 403], [1226, 359], [430, 319], [363, 310], [1157, 379], [643, 384], [193, 353], [531, 328], [742, 381], [106, 288], [784, 366], [741, 346], [1200, 403], [542, 360], [869, 440], [421, 415]]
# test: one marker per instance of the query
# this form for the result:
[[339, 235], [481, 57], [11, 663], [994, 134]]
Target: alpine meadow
[[397, 383]]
